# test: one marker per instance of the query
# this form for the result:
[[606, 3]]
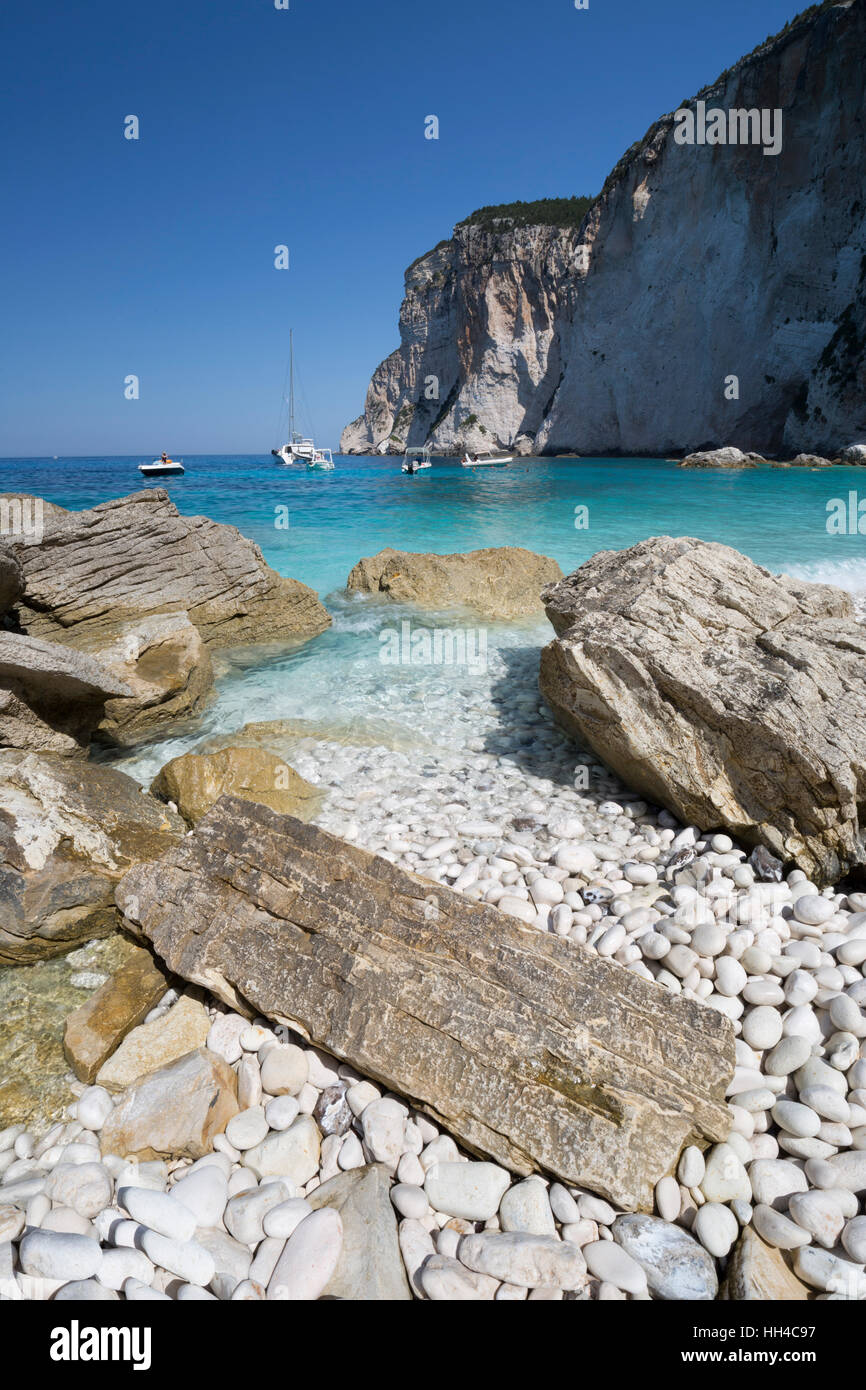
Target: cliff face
[[696, 264]]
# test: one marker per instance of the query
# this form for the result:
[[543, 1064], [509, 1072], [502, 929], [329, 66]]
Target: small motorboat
[[416, 459], [484, 460], [322, 458], [161, 468]]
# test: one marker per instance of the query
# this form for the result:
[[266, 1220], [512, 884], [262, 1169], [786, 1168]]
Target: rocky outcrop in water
[[527, 1048], [503, 582], [697, 264], [150, 592], [732, 697], [68, 831]]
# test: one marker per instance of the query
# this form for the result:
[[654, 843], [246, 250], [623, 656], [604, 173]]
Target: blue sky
[[304, 126]]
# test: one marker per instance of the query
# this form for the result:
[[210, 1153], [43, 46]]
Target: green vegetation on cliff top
[[545, 212]]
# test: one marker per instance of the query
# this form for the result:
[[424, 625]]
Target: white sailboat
[[298, 450]]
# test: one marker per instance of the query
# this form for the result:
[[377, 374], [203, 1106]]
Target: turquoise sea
[[776, 516]]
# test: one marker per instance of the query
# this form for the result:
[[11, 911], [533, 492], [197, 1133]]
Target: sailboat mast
[[291, 386]]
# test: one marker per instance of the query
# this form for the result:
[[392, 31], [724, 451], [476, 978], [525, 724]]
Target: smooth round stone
[[730, 976], [756, 961], [610, 1263], [668, 1200], [158, 1212], [224, 1037], [65, 1219], [691, 1167], [677, 1266], [526, 1207], [827, 1103], [351, 1155], [185, 1258], [813, 910], [284, 1219], [822, 1270], [847, 1015], [764, 993], [805, 1147], [596, 1209], [285, 1070], [716, 1227], [640, 874], [247, 1128], [777, 1229], [775, 1179], [818, 1214], [796, 1119], [800, 988], [850, 1170], [762, 1098], [654, 946], [708, 940], [854, 1239], [245, 1213], [384, 1123], [517, 907], [308, 1262], [816, 1072], [821, 1174], [57, 1255], [410, 1201], [85, 1291], [205, 1193], [725, 1177], [471, 1190], [762, 1027], [563, 1205], [577, 859], [546, 892], [787, 1056], [85, 1187], [121, 1264], [94, 1107], [281, 1112]]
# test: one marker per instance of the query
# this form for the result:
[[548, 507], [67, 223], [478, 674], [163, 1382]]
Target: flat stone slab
[[95, 1029], [525, 1047]]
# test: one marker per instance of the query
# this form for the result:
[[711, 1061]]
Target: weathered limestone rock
[[501, 582], [756, 1271], [733, 697], [51, 698], [174, 1112], [95, 1029], [854, 454], [137, 556], [153, 1045], [195, 781], [167, 669], [721, 458], [68, 831], [11, 579], [148, 591], [522, 1046], [370, 1264]]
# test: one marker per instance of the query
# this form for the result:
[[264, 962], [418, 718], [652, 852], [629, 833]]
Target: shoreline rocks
[[408, 983], [149, 592], [68, 831], [498, 583], [732, 697], [195, 781]]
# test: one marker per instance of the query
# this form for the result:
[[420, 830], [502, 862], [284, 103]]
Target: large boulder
[[731, 696], [11, 579], [523, 1046], [499, 583], [176, 1111], [52, 698], [68, 832], [854, 454], [148, 590], [195, 781]]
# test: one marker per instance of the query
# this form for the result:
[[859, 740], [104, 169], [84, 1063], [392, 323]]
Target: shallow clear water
[[776, 516]]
